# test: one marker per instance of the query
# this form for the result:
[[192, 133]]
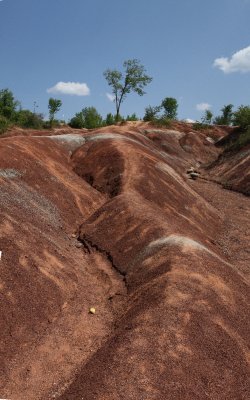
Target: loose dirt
[[109, 220]]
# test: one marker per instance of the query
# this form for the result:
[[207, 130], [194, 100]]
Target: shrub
[[132, 117], [47, 124], [151, 113], [4, 124], [219, 120], [170, 106], [207, 118], [242, 140], [77, 121], [199, 126], [226, 117], [87, 118], [241, 117], [110, 119], [28, 119], [8, 104], [162, 122], [119, 118], [91, 118]]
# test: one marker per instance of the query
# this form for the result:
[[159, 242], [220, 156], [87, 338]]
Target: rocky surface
[[110, 221]]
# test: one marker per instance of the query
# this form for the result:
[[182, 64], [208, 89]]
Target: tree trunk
[[119, 102], [117, 113]]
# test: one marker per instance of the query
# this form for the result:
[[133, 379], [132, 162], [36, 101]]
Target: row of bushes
[[167, 111], [26, 119], [162, 114], [11, 113], [89, 118], [240, 117]]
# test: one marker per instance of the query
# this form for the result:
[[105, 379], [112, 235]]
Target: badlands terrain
[[122, 278]]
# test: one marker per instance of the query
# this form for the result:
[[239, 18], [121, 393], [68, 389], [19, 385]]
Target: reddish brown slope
[[45, 284], [180, 334], [232, 169], [159, 262]]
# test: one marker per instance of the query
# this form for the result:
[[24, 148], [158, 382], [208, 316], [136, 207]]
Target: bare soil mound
[[121, 277]]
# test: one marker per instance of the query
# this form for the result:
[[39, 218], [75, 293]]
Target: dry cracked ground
[[109, 219]]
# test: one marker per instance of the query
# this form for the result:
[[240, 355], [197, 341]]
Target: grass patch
[[199, 126], [162, 122]]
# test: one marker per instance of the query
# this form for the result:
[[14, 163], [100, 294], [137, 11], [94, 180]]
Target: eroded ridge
[[110, 221]]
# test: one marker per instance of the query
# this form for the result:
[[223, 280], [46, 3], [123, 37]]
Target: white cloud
[[72, 88], [110, 96], [189, 120], [203, 106], [239, 62]]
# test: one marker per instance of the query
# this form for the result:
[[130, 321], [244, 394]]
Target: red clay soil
[[232, 170], [118, 226], [17, 131]]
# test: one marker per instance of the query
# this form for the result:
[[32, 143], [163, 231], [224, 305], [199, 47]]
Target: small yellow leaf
[[92, 310]]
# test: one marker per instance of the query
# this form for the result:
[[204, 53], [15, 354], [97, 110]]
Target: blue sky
[[44, 42]]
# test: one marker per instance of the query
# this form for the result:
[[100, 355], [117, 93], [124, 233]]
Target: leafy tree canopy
[[28, 119], [54, 106], [88, 118], [8, 104], [170, 106], [151, 113], [132, 117], [77, 121], [133, 79], [226, 117], [92, 119], [241, 117], [207, 118], [110, 119]]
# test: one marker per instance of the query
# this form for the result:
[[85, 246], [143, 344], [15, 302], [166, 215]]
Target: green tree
[[226, 117], [54, 106], [4, 124], [170, 106], [133, 79], [8, 104], [91, 118], [77, 121], [28, 119], [87, 118], [132, 117], [151, 113], [241, 117], [110, 120], [207, 118]]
